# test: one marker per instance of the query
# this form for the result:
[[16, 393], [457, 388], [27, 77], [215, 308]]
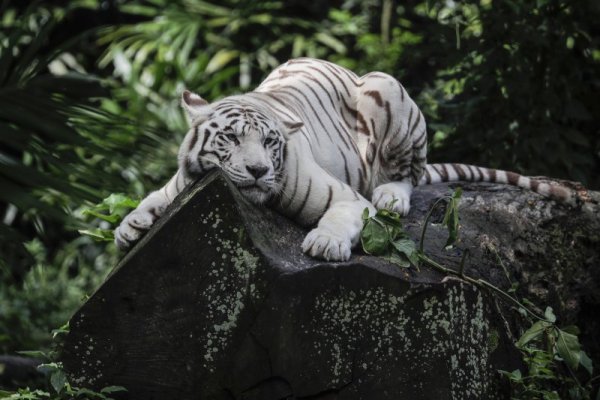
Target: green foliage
[[213, 48], [552, 356], [48, 293], [58, 385], [516, 89], [112, 210], [451, 217], [57, 145], [382, 235]]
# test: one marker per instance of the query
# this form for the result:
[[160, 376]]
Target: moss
[[230, 281], [449, 328]]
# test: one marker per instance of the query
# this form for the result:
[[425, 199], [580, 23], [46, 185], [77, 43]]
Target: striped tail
[[437, 173]]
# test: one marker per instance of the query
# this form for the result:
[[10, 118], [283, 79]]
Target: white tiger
[[318, 144]]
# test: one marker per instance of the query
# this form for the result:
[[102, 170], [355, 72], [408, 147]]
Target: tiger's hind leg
[[397, 144]]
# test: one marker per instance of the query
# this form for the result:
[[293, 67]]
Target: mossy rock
[[218, 302]]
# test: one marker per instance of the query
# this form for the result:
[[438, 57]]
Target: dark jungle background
[[89, 106]]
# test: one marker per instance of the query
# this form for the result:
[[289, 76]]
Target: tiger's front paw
[[321, 243], [394, 196], [133, 227]]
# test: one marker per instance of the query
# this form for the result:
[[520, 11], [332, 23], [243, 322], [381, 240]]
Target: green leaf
[[117, 205], [118, 201], [34, 354], [58, 379], [220, 60], [551, 395], [113, 219], [374, 237], [408, 248], [568, 347], [331, 42], [586, 362], [89, 393], [48, 368], [101, 235], [451, 217], [572, 329], [549, 314], [365, 214], [399, 260], [64, 329], [112, 389], [533, 333], [514, 376], [389, 218]]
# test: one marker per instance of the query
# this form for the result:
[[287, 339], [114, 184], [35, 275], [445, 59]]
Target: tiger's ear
[[196, 108], [291, 127]]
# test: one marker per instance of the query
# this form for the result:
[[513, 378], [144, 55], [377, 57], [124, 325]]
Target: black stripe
[[333, 86], [346, 168], [307, 102], [362, 124], [207, 134], [512, 178], [302, 111], [194, 139], [419, 115], [375, 95], [299, 211], [533, 184], [443, 172], [352, 77], [401, 91], [329, 197], [327, 92], [459, 171], [388, 115], [291, 199], [339, 79], [398, 146], [333, 123]]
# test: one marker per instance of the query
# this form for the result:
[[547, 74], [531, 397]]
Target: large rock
[[218, 302]]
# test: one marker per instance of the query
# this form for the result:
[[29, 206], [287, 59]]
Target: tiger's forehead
[[230, 109], [244, 118]]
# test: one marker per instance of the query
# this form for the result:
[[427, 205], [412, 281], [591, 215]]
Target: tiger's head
[[246, 141]]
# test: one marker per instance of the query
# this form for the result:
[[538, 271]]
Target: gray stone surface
[[218, 302]]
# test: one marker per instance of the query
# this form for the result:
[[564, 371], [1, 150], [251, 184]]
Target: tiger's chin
[[255, 194]]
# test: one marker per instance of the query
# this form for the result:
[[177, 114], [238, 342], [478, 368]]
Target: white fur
[[337, 153]]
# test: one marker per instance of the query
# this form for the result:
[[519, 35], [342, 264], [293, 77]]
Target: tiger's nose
[[257, 170]]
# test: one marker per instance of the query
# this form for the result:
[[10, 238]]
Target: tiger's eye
[[269, 141], [232, 137]]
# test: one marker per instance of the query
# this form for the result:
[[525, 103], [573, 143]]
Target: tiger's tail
[[437, 173]]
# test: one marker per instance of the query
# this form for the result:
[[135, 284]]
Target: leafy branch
[[111, 210]]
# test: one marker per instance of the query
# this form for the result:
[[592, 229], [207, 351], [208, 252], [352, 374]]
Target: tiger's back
[[348, 120]]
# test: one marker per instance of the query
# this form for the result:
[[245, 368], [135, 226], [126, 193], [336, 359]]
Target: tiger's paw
[[133, 227], [321, 243], [394, 196]]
